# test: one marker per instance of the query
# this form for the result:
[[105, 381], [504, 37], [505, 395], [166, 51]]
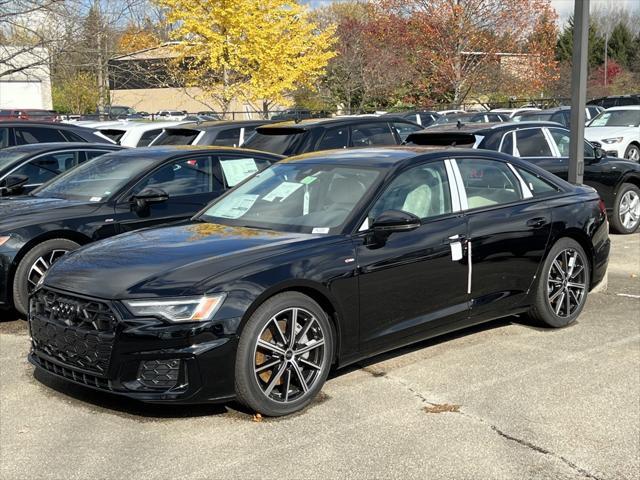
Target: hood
[[166, 261], [596, 134], [24, 210]]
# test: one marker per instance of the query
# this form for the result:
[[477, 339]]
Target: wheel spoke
[[279, 330], [568, 300], [555, 295], [559, 269], [275, 379], [305, 329], [270, 346], [575, 285], [310, 346], [287, 385], [293, 327], [308, 363], [268, 365], [301, 379], [576, 272], [560, 301]]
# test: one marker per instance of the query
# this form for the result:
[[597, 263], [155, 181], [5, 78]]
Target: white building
[[29, 83]]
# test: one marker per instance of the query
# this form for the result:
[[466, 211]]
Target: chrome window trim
[[555, 151], [513, 143], [526, 192], [456, 205], [462, 192]]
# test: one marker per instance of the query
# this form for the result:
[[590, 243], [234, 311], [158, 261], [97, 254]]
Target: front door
[[190, 183], [415, 282]]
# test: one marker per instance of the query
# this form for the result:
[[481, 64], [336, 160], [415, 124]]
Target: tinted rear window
[[177, 137], [283, 144]]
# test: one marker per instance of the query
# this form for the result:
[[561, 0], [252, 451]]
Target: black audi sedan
[[294, 138], [318, 261], [25, 132], [114, 193], [26, 167], [546, 144]]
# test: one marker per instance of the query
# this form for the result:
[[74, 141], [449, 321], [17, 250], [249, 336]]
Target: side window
[[562, 141], [531, 142], [371, 134], [336, 137], [147, 137], [4, 137], [71, 136], [422, 191], [507, 144], [90, 154], [184, 177], [44, 168], [488, 182], [539, 186], [236, 169], [623, 102], [26, 135], [404, 129], [608, 103], [228, 138]]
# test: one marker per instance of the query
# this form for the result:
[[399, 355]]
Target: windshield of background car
[[297, 197], [96, 180], [9, 158], [617, 118]]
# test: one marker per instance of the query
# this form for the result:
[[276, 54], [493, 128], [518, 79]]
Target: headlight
[[612, 140], [4, 240], [181, 309]]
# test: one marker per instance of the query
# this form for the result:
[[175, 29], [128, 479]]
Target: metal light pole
[[578, 89]]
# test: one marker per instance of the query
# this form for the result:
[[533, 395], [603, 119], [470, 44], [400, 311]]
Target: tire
[[551, 288], [632, 153], [27, 272], [278, 389], [626, 211]]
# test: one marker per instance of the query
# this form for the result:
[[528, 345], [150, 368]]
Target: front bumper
[[141, 358]]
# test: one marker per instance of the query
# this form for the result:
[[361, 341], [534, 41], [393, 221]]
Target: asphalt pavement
[[506, 400]]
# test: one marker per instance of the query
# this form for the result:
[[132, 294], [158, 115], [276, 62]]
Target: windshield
[[283, 144], [96, 180], [295, 197], [617, 118], [7, 159]]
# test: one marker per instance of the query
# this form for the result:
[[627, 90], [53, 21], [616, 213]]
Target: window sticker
[[237, 207], [320, 230], [282, 191], [237, 169], [95, 199], [308, 180]]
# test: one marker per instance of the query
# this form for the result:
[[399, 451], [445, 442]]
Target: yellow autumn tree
[[257, 51]]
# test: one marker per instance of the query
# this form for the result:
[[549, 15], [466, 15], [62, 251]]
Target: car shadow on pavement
[[129, 407]]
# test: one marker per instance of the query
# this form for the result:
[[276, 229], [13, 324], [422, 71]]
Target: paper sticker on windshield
[[95, 199], [320, 230], [237, 169], [236, 207], [282, 191], [308, 180]]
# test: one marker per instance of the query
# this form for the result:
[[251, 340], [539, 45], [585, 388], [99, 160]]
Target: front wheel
[[626, 212], [632, 153], [562, 288], [33, 267], [284, 355]]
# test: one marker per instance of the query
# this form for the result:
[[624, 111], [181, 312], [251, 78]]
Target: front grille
[[74, 331], [89, 380]]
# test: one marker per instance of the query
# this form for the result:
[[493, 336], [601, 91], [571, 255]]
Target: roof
[[380, 157], [623, 107], [54, 146], [162, 152], [31, 123], [309, 123], [212, 124]]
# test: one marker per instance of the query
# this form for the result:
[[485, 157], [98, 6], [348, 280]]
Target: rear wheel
[[284, 355], [626, 212], [563, 285], [34, 265]]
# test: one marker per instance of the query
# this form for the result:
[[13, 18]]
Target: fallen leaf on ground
[[441, 408], [257, 417]]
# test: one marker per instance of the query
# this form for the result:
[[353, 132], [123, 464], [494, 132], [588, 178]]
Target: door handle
[[537, 222]]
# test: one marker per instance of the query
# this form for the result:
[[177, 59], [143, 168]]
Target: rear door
[[508, 231]]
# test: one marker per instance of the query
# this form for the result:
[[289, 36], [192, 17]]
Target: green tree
[[564, 47], [621, 44], [75, 94]]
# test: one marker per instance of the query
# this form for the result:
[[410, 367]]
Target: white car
[[512, 112], [143, 133], [617, 131], [171, 115]]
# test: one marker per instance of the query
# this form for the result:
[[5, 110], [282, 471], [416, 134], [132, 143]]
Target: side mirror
[[391, 221], [12, 184], [599, 153], [149, 196]]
